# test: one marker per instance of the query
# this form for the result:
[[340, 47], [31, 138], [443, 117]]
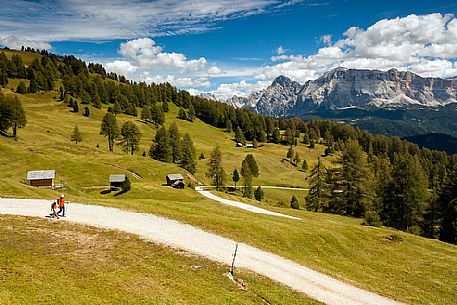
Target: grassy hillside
[[61, 263], [395, 264]]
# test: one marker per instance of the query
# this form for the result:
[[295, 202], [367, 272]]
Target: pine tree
[[161, 148], [32, 86], [76, 135], [165, 107], [294, 203], [127, 184], [228, 126], [290, 154], [188, 154], [318, 187], [86, 112], [296, 159], [239, 136], [21, 88], [131, 137], [109, 129], [215, 169], [182, 115], [246, 173], [175, 142], [235, 176], [12, 114], [405, 195], [258, 194], [447, 208], [275, 136], [353, 181], [304, 166], [146, 114], [191, 114], [117, 108], [252, 165], [157, 114]]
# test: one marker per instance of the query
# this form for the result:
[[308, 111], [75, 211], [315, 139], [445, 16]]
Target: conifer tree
[[318, 187], [76, 136], [215, 169], [191, 115], [157, 114], [252, 165], [246, 173], [296, 159], [182, 115], [235, 176], [117, 108], [109, 129], [75, 106], [165, 107], [228, 126], [188, 154], [175, 143], [32, 86], [131, 137], [146, 114], [304, 166], [12, 114], [161, 148], [275, 136], [21, 88], [290, 154], [294, 203], [258, 194], [239, 136]]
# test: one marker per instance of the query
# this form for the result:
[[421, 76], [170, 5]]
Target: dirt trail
[[237, 204], [212, 246]]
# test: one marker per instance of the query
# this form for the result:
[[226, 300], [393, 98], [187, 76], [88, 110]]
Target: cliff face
[[342, 88]]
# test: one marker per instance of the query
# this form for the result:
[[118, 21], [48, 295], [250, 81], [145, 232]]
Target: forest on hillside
[[385, 180]]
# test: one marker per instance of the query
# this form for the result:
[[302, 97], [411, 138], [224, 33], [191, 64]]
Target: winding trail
[[182, 236], [237, 204]]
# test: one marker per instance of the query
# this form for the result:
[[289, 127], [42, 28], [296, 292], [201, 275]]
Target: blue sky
[[232, 47]]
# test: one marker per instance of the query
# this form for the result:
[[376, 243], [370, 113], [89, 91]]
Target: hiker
[[61, 206], [53, 209]]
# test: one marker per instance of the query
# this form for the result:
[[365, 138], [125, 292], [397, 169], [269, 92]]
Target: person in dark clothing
[[61, 206]]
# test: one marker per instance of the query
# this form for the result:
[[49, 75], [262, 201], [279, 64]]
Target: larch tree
[[109, 129], [161, 148], [175, 142], [188, 154], [131, 136], [235, 176], [318, 187], [76, 136], [215, 169], [246, 173]]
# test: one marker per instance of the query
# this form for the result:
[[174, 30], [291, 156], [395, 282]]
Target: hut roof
[[175, 177], [117, 178], [40, 175]]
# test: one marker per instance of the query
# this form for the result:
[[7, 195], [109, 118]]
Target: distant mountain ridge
[[344, 88]]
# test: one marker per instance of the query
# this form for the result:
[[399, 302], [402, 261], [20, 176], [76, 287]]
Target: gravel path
[[237, 204], [172, 233]]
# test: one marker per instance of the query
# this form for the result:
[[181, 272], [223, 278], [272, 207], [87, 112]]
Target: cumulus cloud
[[146, 54], [241, 88], [14, 42], [424, 44], [59, 20], [176, 81], [121, 67], [215, 71]]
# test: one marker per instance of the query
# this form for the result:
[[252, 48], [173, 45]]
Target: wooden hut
[[116, 182], [41, 178], [175, 180]]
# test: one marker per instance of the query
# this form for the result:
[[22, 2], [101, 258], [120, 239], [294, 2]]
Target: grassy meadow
[[405, 267]]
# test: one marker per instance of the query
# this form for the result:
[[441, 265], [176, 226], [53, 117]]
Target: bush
[[294, 203], [372, 219], [127, 184], [258, 194]]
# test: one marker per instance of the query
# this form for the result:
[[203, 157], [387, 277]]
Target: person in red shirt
[[61, 206], [53, 209]]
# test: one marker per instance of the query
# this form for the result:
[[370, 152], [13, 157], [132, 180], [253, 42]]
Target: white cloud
[[215, 71], [145, 54], [176, 81], [241, 88], [60, 20], [14, 42], [326, 39], [280, 50], [424, 44], [121, 67]]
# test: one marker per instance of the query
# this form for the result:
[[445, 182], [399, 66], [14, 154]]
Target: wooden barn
[[116, 182], [42, 178], [175, 180]]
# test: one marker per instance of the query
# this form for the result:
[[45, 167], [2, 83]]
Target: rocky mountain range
[[343, 88]]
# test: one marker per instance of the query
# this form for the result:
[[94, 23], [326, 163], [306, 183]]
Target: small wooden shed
[[41, 178], [116, 182], [175, 180]]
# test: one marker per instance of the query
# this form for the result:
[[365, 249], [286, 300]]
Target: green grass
[[53, 262], [415, 270]]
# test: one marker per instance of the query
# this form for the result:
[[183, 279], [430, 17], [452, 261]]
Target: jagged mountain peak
[[342, 87]]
